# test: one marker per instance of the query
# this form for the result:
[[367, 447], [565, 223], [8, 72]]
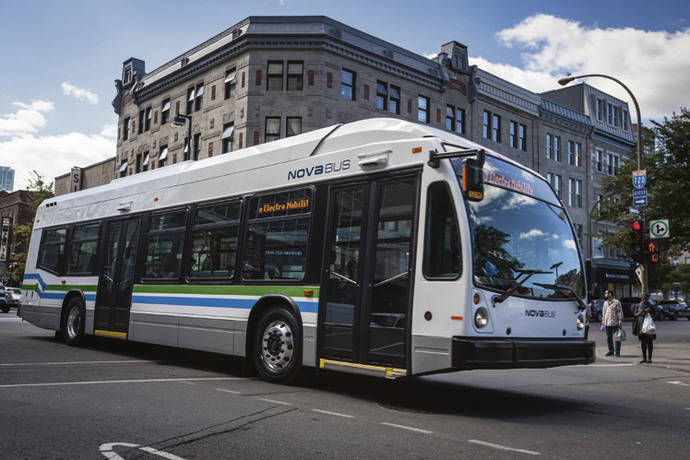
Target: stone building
[[267, 78], [15, 209], [82, 178]]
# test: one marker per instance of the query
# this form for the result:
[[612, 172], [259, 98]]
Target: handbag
[[636, 325], [620, 335], [648, 326]]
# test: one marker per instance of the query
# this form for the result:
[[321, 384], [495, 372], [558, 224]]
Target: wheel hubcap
[[74, 322], [277, 346]]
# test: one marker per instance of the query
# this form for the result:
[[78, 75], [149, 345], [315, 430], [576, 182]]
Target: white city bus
[[380, 247]]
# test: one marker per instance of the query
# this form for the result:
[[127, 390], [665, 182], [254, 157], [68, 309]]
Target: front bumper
[[480, 353]]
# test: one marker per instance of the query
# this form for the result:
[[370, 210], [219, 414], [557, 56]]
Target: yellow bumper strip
[[389, 372], [119, 335]]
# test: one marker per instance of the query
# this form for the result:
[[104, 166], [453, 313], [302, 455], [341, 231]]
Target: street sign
[[639, 193], [639, 178], [640, 201], [659, 228]]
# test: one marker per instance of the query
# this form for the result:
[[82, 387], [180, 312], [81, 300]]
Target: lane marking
[[500, 447], [404, 427], [103, 382], [62, 363], [274, 401], [601, 365], [337, 414], [229, 391], [188, 383], [108, 452], [676, 382]]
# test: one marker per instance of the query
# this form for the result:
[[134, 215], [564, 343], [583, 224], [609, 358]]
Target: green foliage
[[666, 153], [41, 190], [679, 274]]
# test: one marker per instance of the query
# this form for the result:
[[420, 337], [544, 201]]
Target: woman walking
[[646, 339]]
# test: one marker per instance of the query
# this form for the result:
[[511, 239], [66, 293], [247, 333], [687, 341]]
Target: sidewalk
[[670, 351]]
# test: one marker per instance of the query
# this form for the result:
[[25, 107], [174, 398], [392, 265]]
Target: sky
[[60, 58]]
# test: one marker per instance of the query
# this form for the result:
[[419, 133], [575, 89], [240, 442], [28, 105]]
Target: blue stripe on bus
[[216, 302], [36, 276]]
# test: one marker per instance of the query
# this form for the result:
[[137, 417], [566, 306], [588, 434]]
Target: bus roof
[[313, 143]]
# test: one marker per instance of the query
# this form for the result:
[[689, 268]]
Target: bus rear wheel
[[277, 350], [73, 322]]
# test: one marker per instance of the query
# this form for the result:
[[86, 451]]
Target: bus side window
[[442, 258], [164, 245], [83, 246], [51, 254]]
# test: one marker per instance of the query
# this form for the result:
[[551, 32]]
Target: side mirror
[[473, 177]]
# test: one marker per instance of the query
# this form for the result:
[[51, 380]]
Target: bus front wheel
[[73, 322], [277, 346]]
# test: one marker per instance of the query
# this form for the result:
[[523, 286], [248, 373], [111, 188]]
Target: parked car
[[4, 305], [685, 311], [14, 296], [595, 306], [629, 304], [674, 309]]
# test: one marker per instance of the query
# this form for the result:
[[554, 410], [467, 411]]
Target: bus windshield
[[521, 238]]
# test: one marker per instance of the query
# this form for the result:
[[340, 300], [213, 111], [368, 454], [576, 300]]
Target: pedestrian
[[612, 319], [645, 308]]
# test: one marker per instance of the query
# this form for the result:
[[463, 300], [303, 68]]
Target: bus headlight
[[580, 322], [481, 317]]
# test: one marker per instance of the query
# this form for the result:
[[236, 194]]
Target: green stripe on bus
[[68, 287], [30, 287], [291, 291]]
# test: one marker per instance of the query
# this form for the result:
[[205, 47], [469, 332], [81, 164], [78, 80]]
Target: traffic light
[[653, 251], [637, 245]]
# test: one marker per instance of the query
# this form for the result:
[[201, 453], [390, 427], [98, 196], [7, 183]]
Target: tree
[[40, 190], [666, 148]]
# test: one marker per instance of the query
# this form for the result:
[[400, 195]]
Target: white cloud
[[79, 93], [534, 233], [570, 244], [27, 119], [53, 155], [109, 131], [653, 64]]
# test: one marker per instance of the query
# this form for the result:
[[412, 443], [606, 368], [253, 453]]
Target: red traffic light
[[635, 225]]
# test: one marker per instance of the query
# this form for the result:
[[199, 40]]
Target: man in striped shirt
[[612, 318]]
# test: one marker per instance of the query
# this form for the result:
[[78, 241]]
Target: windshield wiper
[[558, 287], [522, 271]]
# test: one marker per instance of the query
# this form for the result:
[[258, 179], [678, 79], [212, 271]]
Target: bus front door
[[365, 306], [114, 295]]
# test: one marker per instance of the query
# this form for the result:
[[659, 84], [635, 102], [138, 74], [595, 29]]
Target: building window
[[496, 128], [423, 109], [555, 181], [578, 154], [460, 121], [147, 120], [609, 113], [125, 129], [450, 117], [145, 162], [293, 126], [625, 120], [197, 147], [486, 124], [274, 77], [557, 148], [163, 157], [522, 137], [227, 137], [295, 75], [578, 232], [600, 109], [230, 83], [190, 100], [613, 165], [198, 101], [272, 131], [142, 115], [599, 156], [347, 84], [549, 146], [513, 140], [123, 168], [165, 111], [137, 165], [571, 192], [571, 152], [394, 105], [578, 193], [381, 95], [600, 199]]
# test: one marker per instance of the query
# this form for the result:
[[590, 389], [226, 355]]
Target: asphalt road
[[58, 401]]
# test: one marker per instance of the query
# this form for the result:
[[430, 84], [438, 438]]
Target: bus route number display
[[281, 204]]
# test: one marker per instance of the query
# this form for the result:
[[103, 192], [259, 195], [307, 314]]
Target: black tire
[[277, 346], [6, 309], [72, 326]]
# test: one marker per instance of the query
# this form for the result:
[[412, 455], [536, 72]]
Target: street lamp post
[[564, 81], [180, 120]]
